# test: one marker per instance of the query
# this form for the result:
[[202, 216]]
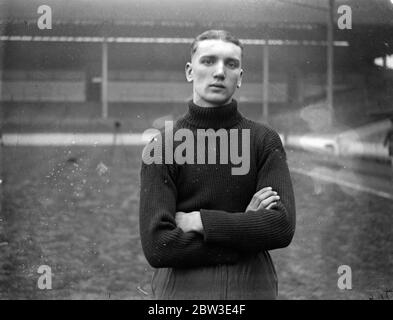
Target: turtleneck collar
[[224, 116]]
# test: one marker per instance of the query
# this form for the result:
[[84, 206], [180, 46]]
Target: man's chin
[[218, 101]]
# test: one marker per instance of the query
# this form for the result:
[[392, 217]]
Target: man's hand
[[189, 221], [265, 198]]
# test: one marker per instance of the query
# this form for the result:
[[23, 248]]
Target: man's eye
[[232, 64], [207, 61]]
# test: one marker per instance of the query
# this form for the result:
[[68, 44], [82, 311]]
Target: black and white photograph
[[224, 150]]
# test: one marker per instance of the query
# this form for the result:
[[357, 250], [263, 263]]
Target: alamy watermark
[[345, 20], [344, 281], [185, 152], [45, 20], [45, 280]]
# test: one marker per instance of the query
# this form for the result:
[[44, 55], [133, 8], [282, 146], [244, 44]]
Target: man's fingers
[[262, 195], [259, 196], [262, 191], [266, 195], [272, 205], [265, 203]]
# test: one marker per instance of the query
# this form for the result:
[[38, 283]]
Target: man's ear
[[239, 81], [188, 70]]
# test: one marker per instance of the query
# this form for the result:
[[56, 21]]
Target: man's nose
[[219, 71]]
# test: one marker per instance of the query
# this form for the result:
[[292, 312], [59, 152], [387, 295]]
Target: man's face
[[215, 71]]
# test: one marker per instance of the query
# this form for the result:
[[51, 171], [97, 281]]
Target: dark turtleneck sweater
[[230, 259]]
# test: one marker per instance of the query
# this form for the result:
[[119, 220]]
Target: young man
[[205, 227]]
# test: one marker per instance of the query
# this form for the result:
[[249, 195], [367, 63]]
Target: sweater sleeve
[[253, 231], [164, 244]]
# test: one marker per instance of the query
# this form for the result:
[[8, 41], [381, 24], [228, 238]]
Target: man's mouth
[[217, 85]]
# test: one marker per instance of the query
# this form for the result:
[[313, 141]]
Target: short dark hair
[[215, 35]]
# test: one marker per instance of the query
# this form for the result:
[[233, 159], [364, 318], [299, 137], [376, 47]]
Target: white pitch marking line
[[344, 183], [74, 139]]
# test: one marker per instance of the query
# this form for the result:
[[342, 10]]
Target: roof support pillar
[[265, 113], [104, 80]]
